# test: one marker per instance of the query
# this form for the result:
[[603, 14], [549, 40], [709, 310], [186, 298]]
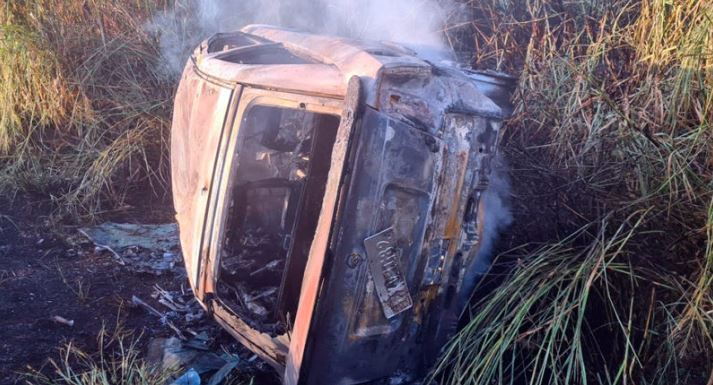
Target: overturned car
[[328, 195]]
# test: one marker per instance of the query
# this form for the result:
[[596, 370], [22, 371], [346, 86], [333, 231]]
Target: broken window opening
[[265, 54], [274, 204]]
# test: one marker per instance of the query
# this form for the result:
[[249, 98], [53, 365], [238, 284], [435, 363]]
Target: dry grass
[[118, 361], [85, 105], [613, 120]]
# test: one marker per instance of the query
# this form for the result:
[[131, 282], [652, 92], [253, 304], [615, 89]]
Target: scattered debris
[[173, 354], [191, 377], [62, 320], [183, 310], [176, 354], [193, 349], [163, 317], [223, 372], [251, 273], [181, 304], [143, 248], [117, 236]]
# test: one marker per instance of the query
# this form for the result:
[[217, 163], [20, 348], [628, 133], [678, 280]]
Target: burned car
[[328, 194]]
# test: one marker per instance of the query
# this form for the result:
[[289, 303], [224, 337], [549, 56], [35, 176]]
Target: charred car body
[[328, 195]]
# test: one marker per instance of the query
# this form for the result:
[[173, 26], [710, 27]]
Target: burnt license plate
[[384, 259]]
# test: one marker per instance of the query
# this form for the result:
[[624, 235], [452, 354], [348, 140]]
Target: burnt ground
[[45, 273]]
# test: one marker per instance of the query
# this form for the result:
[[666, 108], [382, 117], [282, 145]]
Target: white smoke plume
[[497, 218], [415, 23], [498, 213]]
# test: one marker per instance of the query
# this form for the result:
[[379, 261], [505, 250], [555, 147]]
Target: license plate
[[384, 259]]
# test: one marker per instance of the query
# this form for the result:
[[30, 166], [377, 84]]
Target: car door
[[372, 286], [362, 282], [238, 182], [203, 112]]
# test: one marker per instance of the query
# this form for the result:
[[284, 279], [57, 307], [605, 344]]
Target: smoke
[[497, 217], [496, 200], [415, 23]]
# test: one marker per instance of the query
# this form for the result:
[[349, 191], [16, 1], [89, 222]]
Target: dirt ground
[[45, 274]]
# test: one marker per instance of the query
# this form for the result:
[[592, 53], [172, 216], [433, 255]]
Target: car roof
[[279, 58], [283, 59]]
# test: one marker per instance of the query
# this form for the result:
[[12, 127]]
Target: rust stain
[[453, 226], [423, 302]]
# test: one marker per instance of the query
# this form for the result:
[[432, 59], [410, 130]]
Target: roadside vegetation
[[84, 104], [605, 276], [117, 361]]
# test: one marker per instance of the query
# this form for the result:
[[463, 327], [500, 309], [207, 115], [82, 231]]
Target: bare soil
[[45, 273]]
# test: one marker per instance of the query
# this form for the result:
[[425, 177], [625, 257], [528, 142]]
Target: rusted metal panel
[[315, 79], [198, 122], [271, 349]]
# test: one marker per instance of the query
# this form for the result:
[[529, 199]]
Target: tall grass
[[613, 119], [538, 326], [84, 104], [33, 91]]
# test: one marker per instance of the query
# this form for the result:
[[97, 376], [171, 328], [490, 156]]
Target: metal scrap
[[143, 248], [181, 304], [270, 266], [164, 319], [197, 361]]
